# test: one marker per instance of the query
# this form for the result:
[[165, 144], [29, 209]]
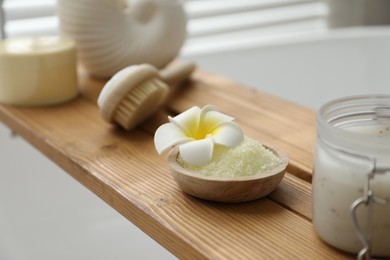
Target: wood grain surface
[[123, 168]]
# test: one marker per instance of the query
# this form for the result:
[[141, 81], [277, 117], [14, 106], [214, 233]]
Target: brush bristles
[[140, 102]]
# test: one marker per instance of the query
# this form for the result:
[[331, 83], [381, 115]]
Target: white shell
[[113, 34]]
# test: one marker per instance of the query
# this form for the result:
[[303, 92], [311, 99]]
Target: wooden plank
[[124, 170], [299, 195]]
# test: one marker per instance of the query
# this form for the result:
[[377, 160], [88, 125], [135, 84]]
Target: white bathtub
[[309, 69]]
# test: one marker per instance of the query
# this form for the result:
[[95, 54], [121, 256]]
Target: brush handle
[[177, 72]]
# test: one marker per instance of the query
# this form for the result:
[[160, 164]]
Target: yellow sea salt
[[248, 158]]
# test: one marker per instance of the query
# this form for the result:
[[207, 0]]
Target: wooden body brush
[[136, 92]]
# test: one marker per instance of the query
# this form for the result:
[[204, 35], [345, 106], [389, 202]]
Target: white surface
[[309, 69], [45, 214]]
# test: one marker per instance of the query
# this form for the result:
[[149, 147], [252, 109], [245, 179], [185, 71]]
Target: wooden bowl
[[227, 189]]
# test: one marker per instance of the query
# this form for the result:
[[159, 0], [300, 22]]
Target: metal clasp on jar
[[368, 199]]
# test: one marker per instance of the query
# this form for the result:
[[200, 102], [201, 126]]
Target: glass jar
[[351, 178]]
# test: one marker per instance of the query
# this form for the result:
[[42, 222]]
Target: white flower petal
[[168, 135], [197, 152], [228, 134], [211, 119], [188, 121]]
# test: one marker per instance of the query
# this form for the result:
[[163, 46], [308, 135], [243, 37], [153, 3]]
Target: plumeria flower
[[196, 131]]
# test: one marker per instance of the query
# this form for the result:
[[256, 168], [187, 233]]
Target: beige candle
[[37, 71]]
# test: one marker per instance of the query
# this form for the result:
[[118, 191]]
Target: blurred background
[[223, 37]]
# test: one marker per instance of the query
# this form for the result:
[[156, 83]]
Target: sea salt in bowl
[[211, 158], [226, 179]]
